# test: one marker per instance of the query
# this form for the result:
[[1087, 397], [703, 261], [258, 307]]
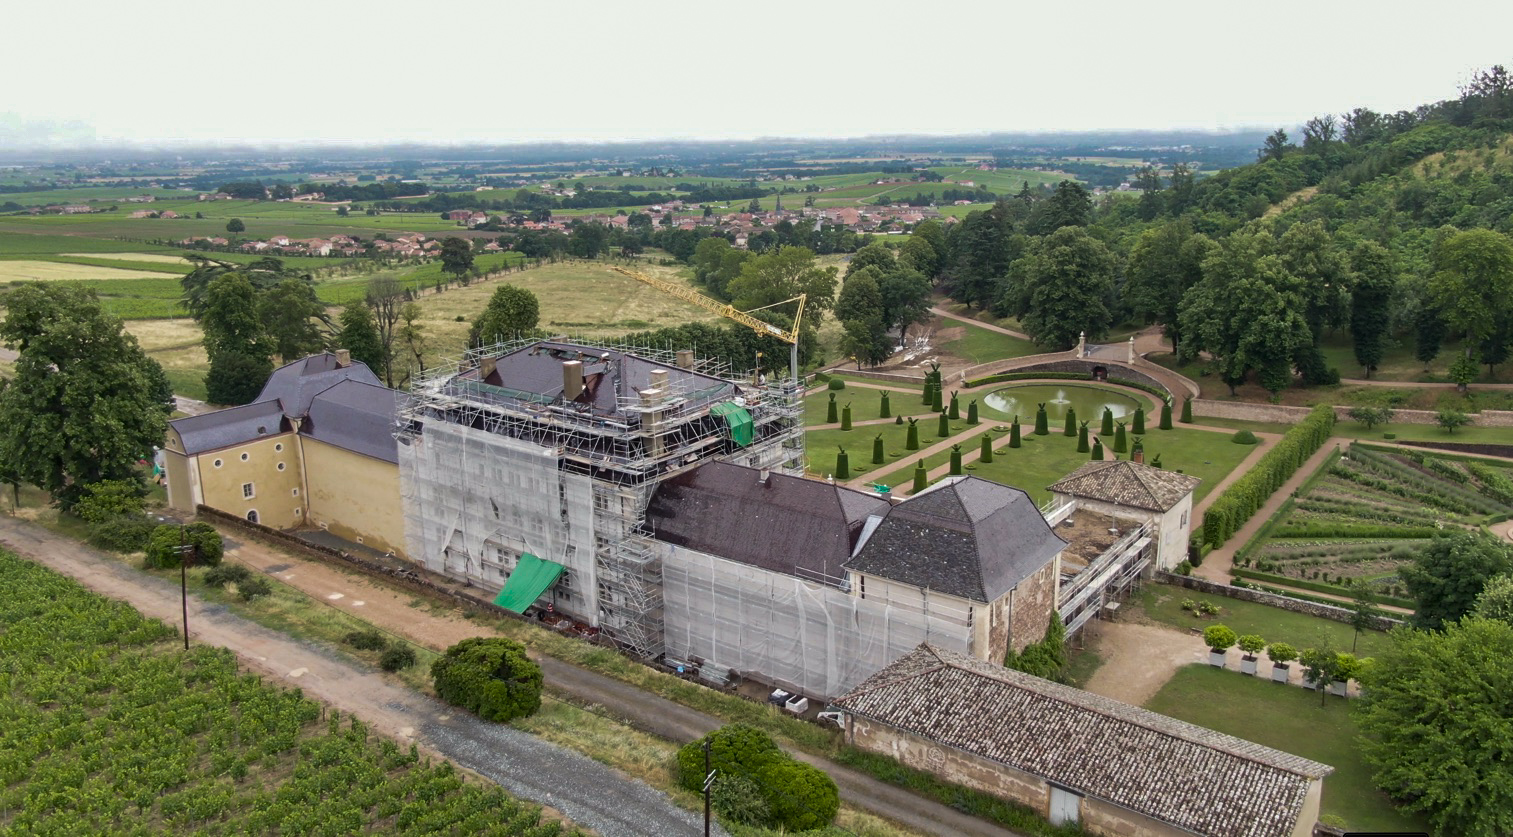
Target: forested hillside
[[1390, 231]]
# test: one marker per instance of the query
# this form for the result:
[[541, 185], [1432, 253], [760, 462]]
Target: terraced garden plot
[[1363, 516]]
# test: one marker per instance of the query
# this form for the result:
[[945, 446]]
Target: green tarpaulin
[[737, 418], [526, 584]]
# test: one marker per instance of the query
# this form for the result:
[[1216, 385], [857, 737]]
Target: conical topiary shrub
[[1108, 423], [842, 466], [1120, 443], [846, 417], [1137, 449], [1097, 450], [832, 414], [972, 411], [1137, 426], [935, 400], [985, 456], [1014, 433], [1082, 446], [877, 450], [912, 441], [954, 411], [1042, 427], [1166, 415], [1156, 463], [1070, 429], [956, 460], [1187, 410], [921, 477], [929, 390], [944, 429], [884, 411]]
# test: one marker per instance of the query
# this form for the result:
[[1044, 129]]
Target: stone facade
[[1030, 605]]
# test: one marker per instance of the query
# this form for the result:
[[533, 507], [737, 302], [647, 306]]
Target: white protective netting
[[813, 639]]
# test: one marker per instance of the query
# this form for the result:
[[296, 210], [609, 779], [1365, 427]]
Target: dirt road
[[457, 736], [1139, 659]]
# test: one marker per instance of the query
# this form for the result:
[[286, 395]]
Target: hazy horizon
[[349, 75]]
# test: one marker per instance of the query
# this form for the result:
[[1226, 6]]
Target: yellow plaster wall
[[356, 496], [275, 500]]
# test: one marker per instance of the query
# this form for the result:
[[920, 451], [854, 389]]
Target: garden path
[[1220, 563], [941, 312], [1139, 658]]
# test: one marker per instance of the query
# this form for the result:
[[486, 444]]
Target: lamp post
[[186, 551], [708, 782]]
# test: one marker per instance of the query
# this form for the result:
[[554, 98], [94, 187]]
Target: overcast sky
[[503, 71]]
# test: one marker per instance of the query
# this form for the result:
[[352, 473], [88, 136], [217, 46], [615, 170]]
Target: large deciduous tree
[[783, 274], [359, 335], [1069, 205], [512, 312], [457, 257], [384, 297], [906, 298], [1163, 265], [1061, 287], [859, 308], [1447, 575], [1473, 282], [292, 317], [982, 247], [1435, 712], [240, 350], [86, 402]]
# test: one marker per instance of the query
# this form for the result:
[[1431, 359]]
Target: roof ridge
[[1055, 691]]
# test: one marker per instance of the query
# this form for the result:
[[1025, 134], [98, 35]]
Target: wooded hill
[[1385, 227]]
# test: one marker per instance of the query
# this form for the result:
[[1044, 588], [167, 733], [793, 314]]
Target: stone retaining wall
[[1338, 614], [1115, 370]]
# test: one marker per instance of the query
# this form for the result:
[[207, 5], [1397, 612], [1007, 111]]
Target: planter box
[[1248, 664], [1337, 688], [1279, 673], [1310, 685], [1217, 658]]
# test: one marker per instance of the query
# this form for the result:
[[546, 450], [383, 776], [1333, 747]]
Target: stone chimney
[[487, 366], [659, 379], [572, 379], [343, 357], [685, 358], [762, 476]]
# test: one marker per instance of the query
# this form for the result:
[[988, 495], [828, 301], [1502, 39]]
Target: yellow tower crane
[[791, 337]]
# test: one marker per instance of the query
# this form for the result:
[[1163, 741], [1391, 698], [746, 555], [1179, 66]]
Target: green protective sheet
[[737, 419], [526, 584]]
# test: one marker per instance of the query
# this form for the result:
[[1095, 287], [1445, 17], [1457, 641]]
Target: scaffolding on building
[[605, 461]]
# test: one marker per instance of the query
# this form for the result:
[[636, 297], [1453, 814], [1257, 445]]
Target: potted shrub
[[1347, 667], [1318, 669], [1281, 654], [1219, 640], [1251, 644]]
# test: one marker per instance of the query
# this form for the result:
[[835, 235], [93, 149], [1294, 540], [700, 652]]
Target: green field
[[110, 728], [1289, 719], [979, 345], [1163, 603]]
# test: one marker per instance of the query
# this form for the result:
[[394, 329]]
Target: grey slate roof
[[1128, 484], [356, 416], [536, 370], [969, 538], [294, 384], [1169, 770], [232, 426], [789, 525]]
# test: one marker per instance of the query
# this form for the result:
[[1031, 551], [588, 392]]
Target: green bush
[[800, 796], [836, 383], [164, 544], [739, 799], [253, 587], [220, 576], [734, 750], [1244, 437], [397, 657], [1246, 495], [369, 640], [109, 499], [1219, 637], [489, 676], [123, 534]]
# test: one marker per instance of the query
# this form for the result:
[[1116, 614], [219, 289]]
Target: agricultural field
[[111, 729], [16, 270], [1362, 516]]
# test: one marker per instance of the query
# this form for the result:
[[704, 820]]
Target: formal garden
[[1365, 513]]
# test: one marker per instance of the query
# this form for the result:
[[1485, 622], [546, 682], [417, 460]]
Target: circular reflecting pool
[[1089, 402]]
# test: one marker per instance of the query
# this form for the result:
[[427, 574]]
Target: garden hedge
[[164, 543], [1246, 495], [1319, 587], [798, 797]]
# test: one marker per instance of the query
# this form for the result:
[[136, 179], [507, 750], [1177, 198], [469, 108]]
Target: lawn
[[866, 404], [979, 345], [1040, 461], [1163, 603], [1401, 432], [1204, 454], [1289, 719], [823, 445]]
